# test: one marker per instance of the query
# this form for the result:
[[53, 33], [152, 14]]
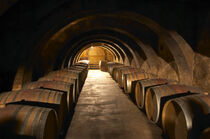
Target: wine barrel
[[157, 96], [143, 85], [115, 71], [131, 78], [81, 74], [103, 66], [81, 64], [70, 74], [84, 71], [28, 121], [57, 86], [65, 73], [115, 66], [64, 79], [122, 72], [111, 65], [77, 71], [39, 95], [187, 117], [80, 67]]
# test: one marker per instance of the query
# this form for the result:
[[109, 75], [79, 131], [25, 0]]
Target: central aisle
[[103, 111]]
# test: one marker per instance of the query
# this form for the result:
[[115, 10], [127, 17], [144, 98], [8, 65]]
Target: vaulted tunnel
[[40, 37], [145, 44]]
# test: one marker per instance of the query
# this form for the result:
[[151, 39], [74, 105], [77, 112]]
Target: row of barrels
[[182, 111], [41, 108]]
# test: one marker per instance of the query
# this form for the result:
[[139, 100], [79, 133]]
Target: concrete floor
[[105, 112]]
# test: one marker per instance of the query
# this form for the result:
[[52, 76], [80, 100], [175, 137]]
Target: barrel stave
[[129, 87], [49, 98], [29, 121], [190, 116], [64, 80], [142, 86], [103, 66], [162, 94]]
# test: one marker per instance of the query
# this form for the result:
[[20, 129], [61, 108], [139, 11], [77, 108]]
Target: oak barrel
[[114, 66], [28, 121], [122, 72], [131, 78], [103, 66], [187, 117], [143, 85], [81, 64], [157, 96], [111, 65], [57, 86], [65, 74], [64, 79], [115, 71], [83, 71], [81, 74], [39, 95], [79, 67]]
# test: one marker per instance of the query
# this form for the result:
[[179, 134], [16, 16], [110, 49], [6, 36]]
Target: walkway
[[105, 112]]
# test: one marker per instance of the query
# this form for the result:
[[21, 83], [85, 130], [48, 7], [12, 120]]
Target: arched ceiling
[[117, 58], [125, 26], [46, 35], [118, 46]]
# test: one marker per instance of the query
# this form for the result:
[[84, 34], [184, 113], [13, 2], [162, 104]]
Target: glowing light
[[84, 61]]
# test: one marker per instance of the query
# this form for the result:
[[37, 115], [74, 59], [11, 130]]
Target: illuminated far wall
[[96, 53]]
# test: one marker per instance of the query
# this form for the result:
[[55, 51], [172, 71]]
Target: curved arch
[[116, 52], [124, 47], [71, 54], [76, 58], [182, 61]]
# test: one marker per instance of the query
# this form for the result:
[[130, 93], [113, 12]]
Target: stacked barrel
[[182, 111], [40, 109], [103, 66]]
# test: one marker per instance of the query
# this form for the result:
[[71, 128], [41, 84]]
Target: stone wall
[[201, 72], [96, 54]]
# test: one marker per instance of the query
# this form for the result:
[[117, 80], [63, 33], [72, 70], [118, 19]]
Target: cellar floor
[[103, 111]]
